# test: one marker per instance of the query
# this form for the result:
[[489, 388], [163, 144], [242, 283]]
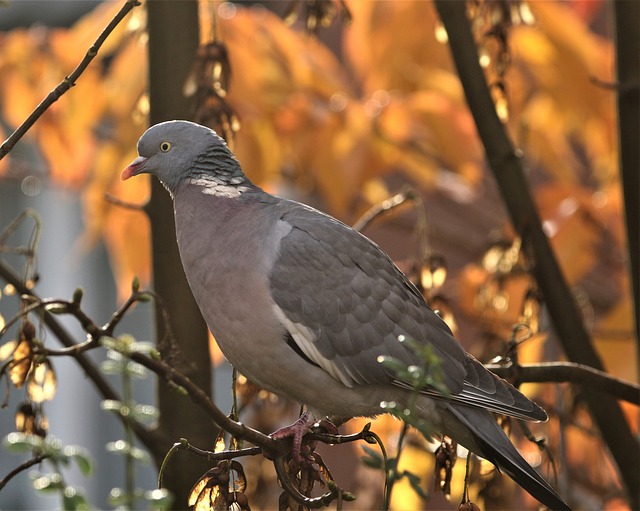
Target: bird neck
[[219, 173]]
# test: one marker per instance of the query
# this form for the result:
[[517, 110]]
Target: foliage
[[57, 455], [385, 108]]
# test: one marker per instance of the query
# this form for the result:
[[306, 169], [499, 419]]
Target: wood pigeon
[[305, 306]]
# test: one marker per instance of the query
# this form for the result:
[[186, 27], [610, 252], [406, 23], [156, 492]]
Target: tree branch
[[22, 467], [204, 402], [626, 15], [149, 438], [569, 372], [67, 82], [507, 166]]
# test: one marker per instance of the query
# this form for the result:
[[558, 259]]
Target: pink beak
[[134, 168]]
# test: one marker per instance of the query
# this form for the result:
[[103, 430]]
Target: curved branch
[[67, 82], [309, 502], [21, 468], [569, 372], [200, 398]]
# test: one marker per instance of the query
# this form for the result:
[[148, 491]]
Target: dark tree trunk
[[173, 40]]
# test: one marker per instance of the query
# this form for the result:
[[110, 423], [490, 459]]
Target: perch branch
[[67, 82], [200, 398]]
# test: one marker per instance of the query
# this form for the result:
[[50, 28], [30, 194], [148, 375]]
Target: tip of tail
[[525, 475], [495, 446]]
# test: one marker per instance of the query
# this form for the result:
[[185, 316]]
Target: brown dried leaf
[[30, 420], [22, 357], [42, 382]]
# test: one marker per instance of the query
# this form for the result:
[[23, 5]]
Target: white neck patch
[[211, 187]]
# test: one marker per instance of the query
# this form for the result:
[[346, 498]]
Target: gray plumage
[[266, 270]]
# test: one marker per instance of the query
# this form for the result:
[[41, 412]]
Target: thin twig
[[148, 437], [116, 201], [21, 468], [67, 82], [384, 207]]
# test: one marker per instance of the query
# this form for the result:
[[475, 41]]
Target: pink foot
[[328, 426], [297, 431]]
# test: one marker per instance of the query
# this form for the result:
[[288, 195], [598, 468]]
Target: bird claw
[[296, 431], [328, 426]]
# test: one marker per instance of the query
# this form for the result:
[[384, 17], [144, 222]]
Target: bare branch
[[116, 201], [200, 398], [67, 82], [21, 468], [570, 372], [148, 437], [384, 207]]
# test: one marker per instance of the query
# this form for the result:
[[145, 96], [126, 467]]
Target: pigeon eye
[[165, 146]]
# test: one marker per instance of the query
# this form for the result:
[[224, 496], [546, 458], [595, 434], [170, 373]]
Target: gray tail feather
[[495, 446]]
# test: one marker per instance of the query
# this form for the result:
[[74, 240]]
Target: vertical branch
[[173, 40], [506, 164], [627, 14]]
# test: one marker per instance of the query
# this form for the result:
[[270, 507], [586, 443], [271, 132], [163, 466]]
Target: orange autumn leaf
[[69, 46], [569, 223], [392, 45], [557, 64]]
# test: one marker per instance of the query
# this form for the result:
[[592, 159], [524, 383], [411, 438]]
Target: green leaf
[[136, 370], [372, 459], [145, 412], [111, 405], [73, 500], [415, 482], [20, 443], [392, 363], [81, 458], [143, 346], [48, 483], [113, 367], [125, 448]]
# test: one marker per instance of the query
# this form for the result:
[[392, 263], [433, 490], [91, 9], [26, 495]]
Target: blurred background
[[340, 105]]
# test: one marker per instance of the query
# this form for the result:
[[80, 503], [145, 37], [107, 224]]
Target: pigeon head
[[182, 151]]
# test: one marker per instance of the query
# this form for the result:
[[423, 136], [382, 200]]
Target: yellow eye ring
[[165, 146]]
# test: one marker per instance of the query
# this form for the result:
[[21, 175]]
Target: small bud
[[77, 296], [56, 308], [135, 284]]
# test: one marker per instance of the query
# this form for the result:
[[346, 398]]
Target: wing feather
[[345, 303]]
